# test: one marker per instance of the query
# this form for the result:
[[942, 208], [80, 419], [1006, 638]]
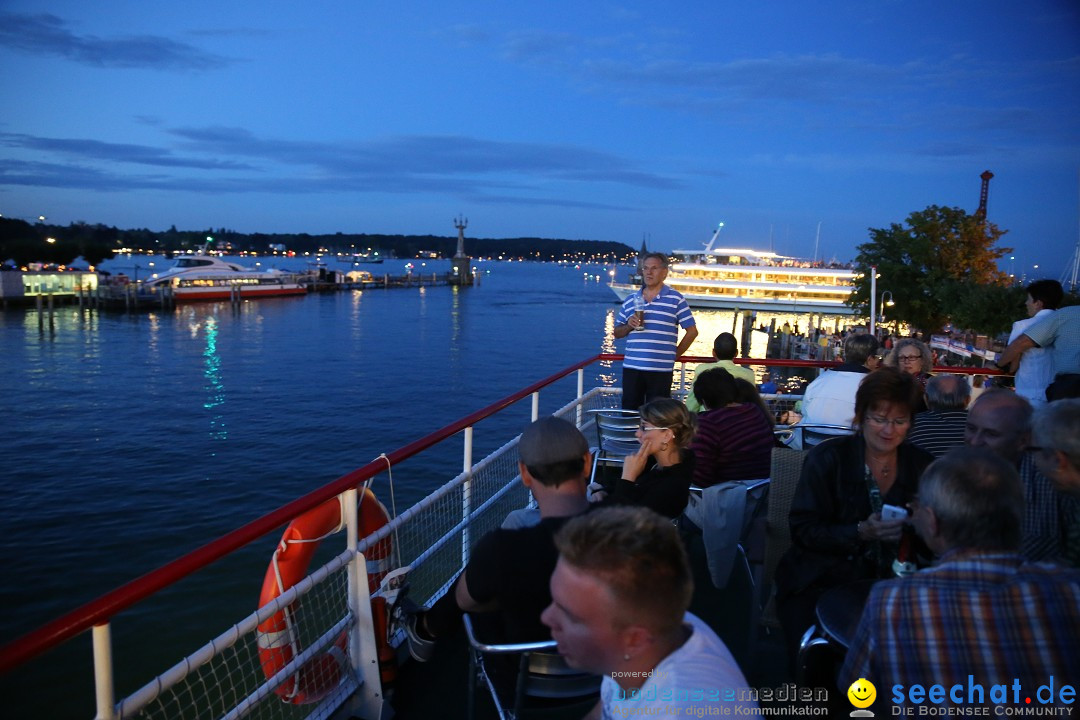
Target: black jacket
[[830, 501]]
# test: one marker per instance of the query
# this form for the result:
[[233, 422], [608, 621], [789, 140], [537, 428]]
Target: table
[[839, 609]]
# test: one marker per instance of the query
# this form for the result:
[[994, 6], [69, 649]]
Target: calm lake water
[[130, 439]]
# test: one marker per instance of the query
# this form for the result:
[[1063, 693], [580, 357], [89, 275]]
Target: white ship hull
[[203, 277], [743, 279], [736, 301]]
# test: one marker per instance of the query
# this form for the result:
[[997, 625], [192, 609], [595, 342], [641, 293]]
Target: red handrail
[[774, 362], [99, 611]]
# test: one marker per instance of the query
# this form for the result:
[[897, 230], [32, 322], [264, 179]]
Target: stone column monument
[[460, 272]]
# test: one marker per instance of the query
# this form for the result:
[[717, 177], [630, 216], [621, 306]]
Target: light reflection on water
[[132, 438], [215, 390]]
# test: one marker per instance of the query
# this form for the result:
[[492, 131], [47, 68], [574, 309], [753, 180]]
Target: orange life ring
[[277, 641]]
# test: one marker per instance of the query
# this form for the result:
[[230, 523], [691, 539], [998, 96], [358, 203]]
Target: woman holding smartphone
[[838, 530]]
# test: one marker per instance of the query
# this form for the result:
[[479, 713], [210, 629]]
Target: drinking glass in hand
[[639, 312]]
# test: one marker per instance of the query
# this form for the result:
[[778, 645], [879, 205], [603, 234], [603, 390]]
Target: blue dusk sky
[[594, 120]]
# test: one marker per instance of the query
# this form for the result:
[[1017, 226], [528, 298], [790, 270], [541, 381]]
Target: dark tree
[[930, 265]]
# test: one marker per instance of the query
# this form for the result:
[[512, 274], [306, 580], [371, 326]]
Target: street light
[[884, 304]]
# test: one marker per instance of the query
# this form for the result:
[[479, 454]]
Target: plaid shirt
[[994, 617], [1043, 529]]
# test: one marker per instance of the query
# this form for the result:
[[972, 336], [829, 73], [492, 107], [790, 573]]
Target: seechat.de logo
[[1007, 698]]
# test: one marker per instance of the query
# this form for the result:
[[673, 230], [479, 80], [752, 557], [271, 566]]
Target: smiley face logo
[[862, 693]]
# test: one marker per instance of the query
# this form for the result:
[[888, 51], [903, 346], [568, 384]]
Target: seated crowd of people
[[962, 514]]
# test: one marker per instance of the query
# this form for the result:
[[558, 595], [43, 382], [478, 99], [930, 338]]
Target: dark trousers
[[1065, 385], [444, 617], [641, 386]]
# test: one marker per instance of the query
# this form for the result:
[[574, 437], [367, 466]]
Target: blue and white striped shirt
[[653, 349]]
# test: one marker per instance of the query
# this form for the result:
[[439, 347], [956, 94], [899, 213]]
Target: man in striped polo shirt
[[650, 352]]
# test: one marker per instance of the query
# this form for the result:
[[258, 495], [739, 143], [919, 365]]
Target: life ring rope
[[290, 636], [393, 505], [283, 544], [279, 640]]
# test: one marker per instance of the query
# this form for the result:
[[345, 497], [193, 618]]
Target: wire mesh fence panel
[[300, 673], [293, 661]]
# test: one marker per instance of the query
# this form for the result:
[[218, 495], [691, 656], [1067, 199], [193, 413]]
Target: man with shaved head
[[1000, 422]]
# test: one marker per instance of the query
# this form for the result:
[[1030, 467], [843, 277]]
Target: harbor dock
[[90, 290]]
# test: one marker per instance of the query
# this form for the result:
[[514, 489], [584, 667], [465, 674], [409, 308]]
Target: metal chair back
[[542, 674], [786, 469], [616, 436], [803, 436]]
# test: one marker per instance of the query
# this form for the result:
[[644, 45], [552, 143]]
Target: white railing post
[[103, 673], [535, 405], [363, 648], [580, 392], [873, 294], [466, 494]]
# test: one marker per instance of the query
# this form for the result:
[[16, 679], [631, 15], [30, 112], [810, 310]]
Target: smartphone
[[893, 512]]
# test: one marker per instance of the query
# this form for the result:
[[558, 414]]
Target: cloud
[[116, 152], [540, 46], [234, 160], [428, 156], [67, 175], [467, 34], [46, 34], [813, 78]]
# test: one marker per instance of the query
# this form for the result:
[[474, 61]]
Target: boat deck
[[330, 608]]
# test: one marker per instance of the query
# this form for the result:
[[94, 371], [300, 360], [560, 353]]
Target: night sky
[[598, 120]]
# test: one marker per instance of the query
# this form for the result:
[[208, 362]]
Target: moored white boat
[[206, 277], [744, 279]]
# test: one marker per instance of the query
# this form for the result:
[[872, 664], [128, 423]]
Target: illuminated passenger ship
[[742, 279]]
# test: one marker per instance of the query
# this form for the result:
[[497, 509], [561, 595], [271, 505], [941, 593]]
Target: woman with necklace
[[837, 530], [658, 475]]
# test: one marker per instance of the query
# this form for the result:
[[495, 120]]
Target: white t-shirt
[[1036, 365], [699, 674], [829, 400]]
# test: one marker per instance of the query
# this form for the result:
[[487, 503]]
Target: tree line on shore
[[940, 269], [23, 242]]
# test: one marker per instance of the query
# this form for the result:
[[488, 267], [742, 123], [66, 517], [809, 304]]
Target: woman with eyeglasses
[[838, 531], [658, 475], [913, 357]]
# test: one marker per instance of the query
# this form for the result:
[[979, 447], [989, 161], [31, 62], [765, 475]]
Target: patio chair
[[725, 521], [803, 436], [615, 437], [542, 676], [786, 468]]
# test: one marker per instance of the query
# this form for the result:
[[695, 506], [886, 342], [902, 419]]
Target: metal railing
[[432, 539], [426, 535]]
